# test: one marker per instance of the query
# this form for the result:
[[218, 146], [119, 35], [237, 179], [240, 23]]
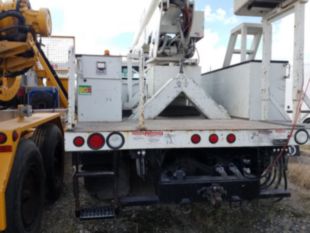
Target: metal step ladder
[[104, 212], [244, 30]]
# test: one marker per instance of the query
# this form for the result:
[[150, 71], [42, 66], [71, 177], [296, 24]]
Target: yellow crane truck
[[31, 145]]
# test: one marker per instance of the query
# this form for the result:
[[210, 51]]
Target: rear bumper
[[136, 140], [197, 189]]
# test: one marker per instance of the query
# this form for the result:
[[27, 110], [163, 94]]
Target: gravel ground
[[290, 215]]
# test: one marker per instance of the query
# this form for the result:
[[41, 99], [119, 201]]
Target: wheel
[[49, 140], [25, 191]]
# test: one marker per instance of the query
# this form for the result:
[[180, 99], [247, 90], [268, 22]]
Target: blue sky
[[101, 25]]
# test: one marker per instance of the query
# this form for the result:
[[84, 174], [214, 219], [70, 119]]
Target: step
[[274, 193], [94, 174], [139, 200], [106, 212]]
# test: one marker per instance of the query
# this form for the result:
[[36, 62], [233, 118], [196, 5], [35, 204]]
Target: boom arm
[[177, 29]]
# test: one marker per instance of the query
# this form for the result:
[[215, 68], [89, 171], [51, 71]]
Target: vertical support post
[[230, 49], [129, 77], [298, 63], [142, 91], [71, 87], [265, 82], [116, 157], [244, 47], [75, 183], [255, 45]]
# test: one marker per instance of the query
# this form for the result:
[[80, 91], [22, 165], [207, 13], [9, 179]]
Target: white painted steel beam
[[71, 87], [299, 46], [244, 30], [297, 7], [265, 82], [172, 89]]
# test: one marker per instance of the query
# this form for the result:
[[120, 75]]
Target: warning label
[[85, 90]]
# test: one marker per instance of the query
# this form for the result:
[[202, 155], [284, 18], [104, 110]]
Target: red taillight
[[96, 141], [231, 138], [196, 139], [6, 149], [78, 141], [213, 138], [3, 138]]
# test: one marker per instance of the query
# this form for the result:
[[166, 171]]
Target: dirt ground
[[289, 215]]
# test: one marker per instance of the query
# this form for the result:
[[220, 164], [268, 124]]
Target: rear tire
[[25, 191], [49, 140]]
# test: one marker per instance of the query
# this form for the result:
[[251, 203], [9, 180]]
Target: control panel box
[[99, 88], [198, 27]]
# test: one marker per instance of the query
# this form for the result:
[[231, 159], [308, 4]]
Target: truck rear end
[[174, 159], [183, 136]]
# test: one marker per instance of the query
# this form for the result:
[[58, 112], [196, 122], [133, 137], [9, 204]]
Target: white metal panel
[[230, 88], [104, 103], [237, 88]]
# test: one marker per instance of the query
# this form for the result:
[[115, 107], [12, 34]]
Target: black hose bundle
[[19, 31], [276, 176]]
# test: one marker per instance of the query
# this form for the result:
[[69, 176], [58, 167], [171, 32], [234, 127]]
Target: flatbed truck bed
[[181, 124]]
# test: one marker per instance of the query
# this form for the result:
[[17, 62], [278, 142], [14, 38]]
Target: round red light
[[96, 141], [3, 138], [196, 139], [213, 138], [78, 141], [231, 138]]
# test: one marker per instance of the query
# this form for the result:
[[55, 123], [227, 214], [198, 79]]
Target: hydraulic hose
[[21, 28], [15, 14]]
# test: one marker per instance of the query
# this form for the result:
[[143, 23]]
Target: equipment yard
[[144, 140], [289, 215]]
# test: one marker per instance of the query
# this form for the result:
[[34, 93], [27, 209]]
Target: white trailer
[[219, 136]]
